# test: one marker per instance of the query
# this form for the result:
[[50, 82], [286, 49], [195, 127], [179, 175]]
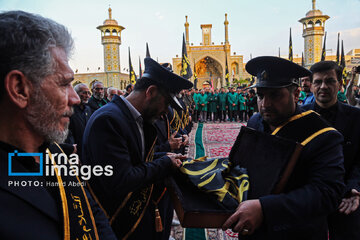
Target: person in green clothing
[[232, 104], [212, 98], [196, 105], [203, 102], [222, 104], [302, 96], [241, 104], [251, 103], [341, 95]]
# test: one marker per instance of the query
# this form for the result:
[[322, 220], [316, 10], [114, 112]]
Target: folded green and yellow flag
[[217, 176]]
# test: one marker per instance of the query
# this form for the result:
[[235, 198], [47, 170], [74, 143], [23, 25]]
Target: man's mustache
[[68, 113]]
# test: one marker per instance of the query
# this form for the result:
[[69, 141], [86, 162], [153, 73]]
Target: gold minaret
[[186, 30], [111, 39], [226, 23], [313, 32]]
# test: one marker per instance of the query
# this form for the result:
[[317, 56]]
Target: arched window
[[235, 67], [107, 32], [318, 23]]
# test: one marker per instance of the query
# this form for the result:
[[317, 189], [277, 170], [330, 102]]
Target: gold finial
[[313, 3], [186, 22], [110, 12], [186, 30], [226, 20]]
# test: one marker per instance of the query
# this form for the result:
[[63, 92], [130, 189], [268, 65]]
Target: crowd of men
[[143, 136], [224, 104]]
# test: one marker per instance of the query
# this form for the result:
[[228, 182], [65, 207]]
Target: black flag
[[227, 74], [195, 76], [147, 50], [302, 60], [185, 64], [342, 63], [140, 71], [290, 48], [131, 72], [337, 50], [323, 54]]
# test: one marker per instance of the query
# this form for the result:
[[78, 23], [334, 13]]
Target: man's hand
[[186, 140], [246, 219], [176, 159], [175, 143], [349, 205]]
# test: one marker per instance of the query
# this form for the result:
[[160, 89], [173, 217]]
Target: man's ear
[[18, 88], [296, 94], [151, 91]]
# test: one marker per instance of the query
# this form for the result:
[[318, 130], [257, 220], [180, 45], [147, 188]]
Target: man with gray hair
[[97, 100], [36, 100], [81, 116], [111, 91]]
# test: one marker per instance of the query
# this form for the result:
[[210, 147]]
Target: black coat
[[95, 104], [32, 212], [348, 124], [77, 125], [312, 192], [112, 138], [162, 141]]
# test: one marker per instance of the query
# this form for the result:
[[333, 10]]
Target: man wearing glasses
[[97, 100], [326, 81]]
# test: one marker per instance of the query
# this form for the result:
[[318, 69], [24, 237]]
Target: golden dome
[[314, 13], [110, 22]]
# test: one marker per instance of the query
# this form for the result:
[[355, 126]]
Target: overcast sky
[[257, 27]]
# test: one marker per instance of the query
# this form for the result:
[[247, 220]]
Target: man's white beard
[[98, 96], [45, 121]]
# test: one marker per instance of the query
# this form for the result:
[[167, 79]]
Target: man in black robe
[[121, 134], [326, 80], [315, 186]]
